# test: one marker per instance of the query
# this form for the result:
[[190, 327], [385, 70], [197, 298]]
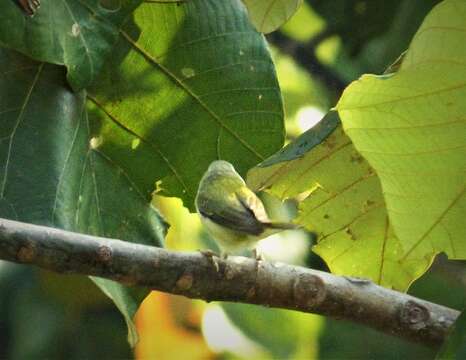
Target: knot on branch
[[185, 282], [308, 290], [414, 315], [105, 254], [26, 253]]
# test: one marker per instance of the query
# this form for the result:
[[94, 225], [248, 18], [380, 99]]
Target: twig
[[304, 54], [236, 279]]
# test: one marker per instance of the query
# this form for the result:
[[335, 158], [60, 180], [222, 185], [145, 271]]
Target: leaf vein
[[434, 224], [15, 128], [151, 144], [212, 114]]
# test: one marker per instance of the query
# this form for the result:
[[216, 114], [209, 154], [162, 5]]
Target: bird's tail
[[282, 226]]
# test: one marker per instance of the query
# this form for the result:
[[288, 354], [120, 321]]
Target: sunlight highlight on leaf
[[411, 127], [341, 200], [185, 104]]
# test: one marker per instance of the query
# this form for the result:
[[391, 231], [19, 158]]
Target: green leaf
[[269, 15], [454, 347], [77, 34], [303, 144], [197, 86], [411, 128], [52, 174], [341, 200]]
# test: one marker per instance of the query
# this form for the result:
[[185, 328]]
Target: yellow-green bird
[[231, 212]]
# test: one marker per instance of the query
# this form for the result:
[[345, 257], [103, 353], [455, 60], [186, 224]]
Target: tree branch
[[236, 279]]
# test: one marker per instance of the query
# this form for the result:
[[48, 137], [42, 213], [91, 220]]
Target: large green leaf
[[411, 127], [77, 34], [269, 15], [52, 174], [197, 84], [341, 200]]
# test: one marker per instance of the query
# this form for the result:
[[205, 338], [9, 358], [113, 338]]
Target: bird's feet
[[258, 257]]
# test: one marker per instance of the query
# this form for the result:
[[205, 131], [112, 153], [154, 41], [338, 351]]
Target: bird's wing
[[235, 214], [251, 201]]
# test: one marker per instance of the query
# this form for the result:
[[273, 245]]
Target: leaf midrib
[[15, 128], [172, 76], [149, 143]]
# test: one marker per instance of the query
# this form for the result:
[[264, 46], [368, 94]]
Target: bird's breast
[[228, 239]]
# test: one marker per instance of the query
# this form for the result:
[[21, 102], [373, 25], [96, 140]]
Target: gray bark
[[238, 279]]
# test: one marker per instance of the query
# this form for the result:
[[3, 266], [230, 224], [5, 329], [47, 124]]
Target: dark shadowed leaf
[[77, 34], [52, 174]]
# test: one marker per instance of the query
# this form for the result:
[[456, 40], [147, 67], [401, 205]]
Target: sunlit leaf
[[185, 226], [52, 173], [411, 128], [341, 200], [269, 15], [77, 34], [197, 86]]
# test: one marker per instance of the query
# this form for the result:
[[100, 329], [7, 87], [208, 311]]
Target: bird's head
[[221, 167]]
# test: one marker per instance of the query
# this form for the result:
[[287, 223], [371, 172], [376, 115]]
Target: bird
[[231, 212]]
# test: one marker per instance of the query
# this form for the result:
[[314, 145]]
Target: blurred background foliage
[[317, 53]]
